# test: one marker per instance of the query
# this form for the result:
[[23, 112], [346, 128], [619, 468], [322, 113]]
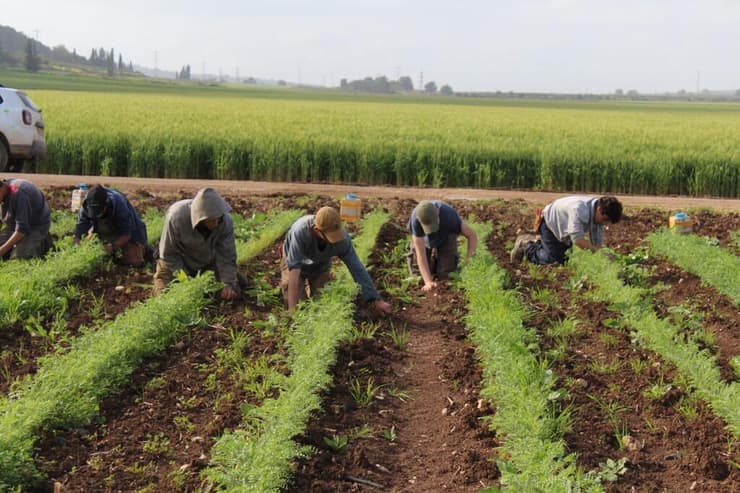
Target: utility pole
[[36, 32]]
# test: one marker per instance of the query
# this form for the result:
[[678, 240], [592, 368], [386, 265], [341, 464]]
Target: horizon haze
[[551, 46]]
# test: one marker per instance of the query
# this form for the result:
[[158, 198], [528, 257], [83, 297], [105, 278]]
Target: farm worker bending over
[[198, 234], [434, 228], [566, 222], [26, 218], [112, 217], [308, 249]]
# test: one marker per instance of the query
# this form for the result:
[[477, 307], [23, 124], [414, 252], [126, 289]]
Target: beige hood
[[207, 204]]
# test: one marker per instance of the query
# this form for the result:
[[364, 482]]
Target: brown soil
[[423, 429], [252, 188]]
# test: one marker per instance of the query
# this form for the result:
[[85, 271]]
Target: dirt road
[[159, 185]]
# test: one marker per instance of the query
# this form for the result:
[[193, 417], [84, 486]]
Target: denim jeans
[[549, 250]]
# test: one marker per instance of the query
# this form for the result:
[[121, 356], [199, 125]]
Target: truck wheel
[[3, 157]]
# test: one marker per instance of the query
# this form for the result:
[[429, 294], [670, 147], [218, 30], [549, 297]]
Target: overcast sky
[[473, 45]]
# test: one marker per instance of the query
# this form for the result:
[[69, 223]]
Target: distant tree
[[110, 64], [250, 80], [281, 82], [446, 90], [33, 62], [121, 66], [61, 52], [130, 67], [430, 86], [737, 93], [2, 53], [381, 84], [619, 92], [184, 73], [406, 83], [633, 93], [94, 56]]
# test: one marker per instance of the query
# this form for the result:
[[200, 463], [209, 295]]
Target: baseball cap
[[426, 213], [328, 222], [97, 199]]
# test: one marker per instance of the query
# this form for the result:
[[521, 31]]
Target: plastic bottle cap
[[680, 215], [351, 196]]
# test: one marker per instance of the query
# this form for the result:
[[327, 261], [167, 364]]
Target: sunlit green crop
[[652, 148]]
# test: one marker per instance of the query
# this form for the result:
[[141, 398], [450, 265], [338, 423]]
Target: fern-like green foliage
[[661, 336], [714, 265], [257, 458], [67, 389], [527, 420], [264, 233], [35, 287]]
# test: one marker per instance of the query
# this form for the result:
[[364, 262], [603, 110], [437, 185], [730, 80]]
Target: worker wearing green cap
[[435, 227]]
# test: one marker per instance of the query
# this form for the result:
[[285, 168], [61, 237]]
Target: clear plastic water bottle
[[78, 196]]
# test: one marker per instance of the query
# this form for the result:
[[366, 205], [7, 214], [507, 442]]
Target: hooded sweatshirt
[[184, 246]]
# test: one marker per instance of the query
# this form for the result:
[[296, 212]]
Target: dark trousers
[[549, 250], [442, 260]]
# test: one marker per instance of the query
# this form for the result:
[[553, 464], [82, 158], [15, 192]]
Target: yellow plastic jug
[[681, 223], [350, 208]]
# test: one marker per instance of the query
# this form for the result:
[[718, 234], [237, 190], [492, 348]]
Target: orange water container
[[350, 208], [681, 223]]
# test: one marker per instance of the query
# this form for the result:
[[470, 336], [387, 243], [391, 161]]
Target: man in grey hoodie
[[198, 235]]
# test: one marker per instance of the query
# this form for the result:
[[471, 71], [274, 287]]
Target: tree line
[[17, 49], [381, 84]]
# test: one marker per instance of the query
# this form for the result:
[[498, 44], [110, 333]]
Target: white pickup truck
[[21, 130]]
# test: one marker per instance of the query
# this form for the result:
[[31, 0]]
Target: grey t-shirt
[[303, 250], [571, 218]]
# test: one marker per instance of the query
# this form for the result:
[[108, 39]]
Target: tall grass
[[650, 149]]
